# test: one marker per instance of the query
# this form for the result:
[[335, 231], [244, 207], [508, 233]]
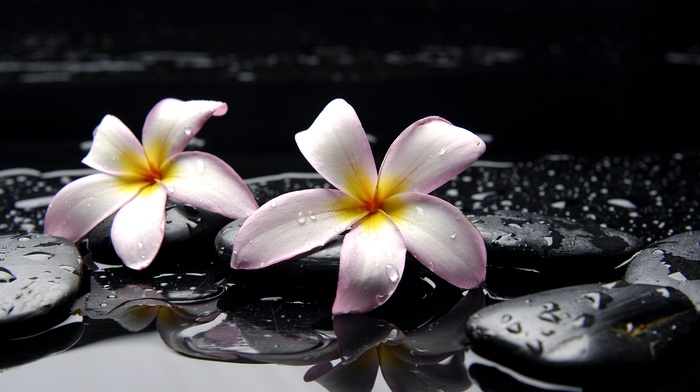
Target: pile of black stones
[[592, 264]]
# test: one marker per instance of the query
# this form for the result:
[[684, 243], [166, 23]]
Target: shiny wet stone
[[674, 262], [529, 240], [40, 277], [185, 226], [566, 334]]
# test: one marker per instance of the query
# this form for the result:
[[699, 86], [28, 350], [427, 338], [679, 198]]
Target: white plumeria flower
[[386, 213], [134, 181]]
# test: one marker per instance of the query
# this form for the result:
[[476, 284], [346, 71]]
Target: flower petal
[[440, 237], [427, 154], [139, 226], [172, 123], [115, 150], [79, 206], [291, 224], [337, 147], [207, 182], [371, 265]]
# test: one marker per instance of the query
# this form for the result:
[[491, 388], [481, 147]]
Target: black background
[[537, 76]]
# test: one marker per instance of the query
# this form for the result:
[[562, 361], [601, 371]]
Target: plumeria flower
[[386, 213], [134, 181]]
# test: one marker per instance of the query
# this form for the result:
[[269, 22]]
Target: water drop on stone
[[6, 276], [514, 328], [392, 273]]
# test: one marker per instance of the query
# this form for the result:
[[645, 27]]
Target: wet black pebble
[[674, 262], [566, 334], [529, 240], [40, 277], [184, 225]]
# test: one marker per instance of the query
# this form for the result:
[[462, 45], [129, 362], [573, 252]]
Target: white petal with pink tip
[[440, 237]]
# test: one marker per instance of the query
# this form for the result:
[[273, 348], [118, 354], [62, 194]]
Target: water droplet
[[514, 328], [188, 131], [549, 317], [442, 151], [584, 320], [139, 244], [301, 218], [392, 273], [420, 210], [39, 256], [273, 203], [70, 269], [6, 276], [506, 318], [452, 235], [312, 215]]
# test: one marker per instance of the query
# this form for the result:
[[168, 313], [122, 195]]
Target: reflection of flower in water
[[429, 358]]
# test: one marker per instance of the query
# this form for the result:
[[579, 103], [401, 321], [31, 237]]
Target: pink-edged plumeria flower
[[134, 180], [386, 213]]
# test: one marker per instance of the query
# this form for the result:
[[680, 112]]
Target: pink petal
[[79, 206], [427, 154], [139, 226], [207, 182], [292, 224], [441, 237], [172, 123], [115, 150], [371, 265], [337, 147]]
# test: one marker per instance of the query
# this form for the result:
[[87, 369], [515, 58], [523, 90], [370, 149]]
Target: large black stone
[[571, 333], [674, 261], [529, 240], [40, 277]]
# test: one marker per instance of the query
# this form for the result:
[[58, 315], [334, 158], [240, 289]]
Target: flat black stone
[[674, 261], [40, 277], [569, 334], [529, 240]]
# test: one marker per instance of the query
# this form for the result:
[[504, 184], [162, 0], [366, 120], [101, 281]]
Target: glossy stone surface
[[674, 262], [40, 276], [564, 334]]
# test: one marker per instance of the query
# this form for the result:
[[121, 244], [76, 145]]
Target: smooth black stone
[[567, 334], [185, 226], [40, 277], [528, 240], [674, 262]]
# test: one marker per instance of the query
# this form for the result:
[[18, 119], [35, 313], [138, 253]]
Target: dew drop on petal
[[392, 273], [442, 151], [188, 131], [452, 235], [273, 203]]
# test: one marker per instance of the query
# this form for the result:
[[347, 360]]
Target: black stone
[[185, 226], [40, 277], [528, 240], [570, 333], [674, 261]]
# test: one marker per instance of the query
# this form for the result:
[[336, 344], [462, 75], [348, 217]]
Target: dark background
[[538, 77]]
